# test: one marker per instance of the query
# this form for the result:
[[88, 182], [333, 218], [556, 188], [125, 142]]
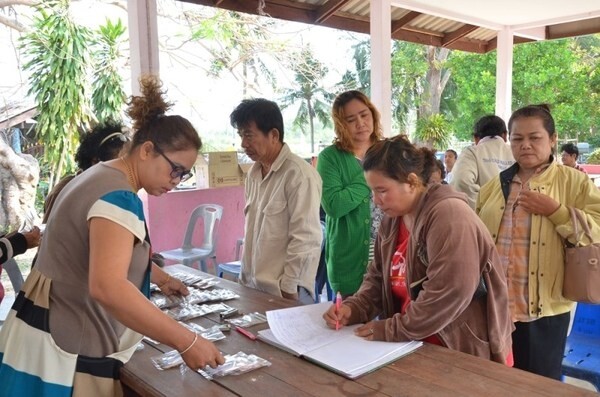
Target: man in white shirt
[[283, 193], [450, 157], [480, 163]]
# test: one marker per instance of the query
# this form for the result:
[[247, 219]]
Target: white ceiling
[[500, 14]]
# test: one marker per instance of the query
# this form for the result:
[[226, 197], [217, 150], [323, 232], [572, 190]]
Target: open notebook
[[302, 331]]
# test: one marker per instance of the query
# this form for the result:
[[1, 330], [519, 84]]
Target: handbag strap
[[577, 218]]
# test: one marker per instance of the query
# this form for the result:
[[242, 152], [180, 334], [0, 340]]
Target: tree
[[359, 78], [562, 73], [58, 59], [108, 95], [19, 174], [315, 101], [240, 44], [433, 131]]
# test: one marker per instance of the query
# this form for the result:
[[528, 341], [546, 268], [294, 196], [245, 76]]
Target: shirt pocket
[[275, 221]]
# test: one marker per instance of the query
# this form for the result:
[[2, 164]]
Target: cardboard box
[[224, 169]]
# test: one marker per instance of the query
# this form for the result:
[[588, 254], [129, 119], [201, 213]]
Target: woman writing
[[84, 305], [526, 211], [443, 283], [351, 219]]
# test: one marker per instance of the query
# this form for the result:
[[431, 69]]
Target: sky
[[206, 101]]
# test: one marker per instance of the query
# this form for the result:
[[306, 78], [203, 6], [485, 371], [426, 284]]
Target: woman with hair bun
[[84, 307], [442, 282]]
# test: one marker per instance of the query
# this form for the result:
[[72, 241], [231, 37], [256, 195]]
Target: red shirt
[[398, 277]]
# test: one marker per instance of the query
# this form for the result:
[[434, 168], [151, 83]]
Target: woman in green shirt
[[351, 218]]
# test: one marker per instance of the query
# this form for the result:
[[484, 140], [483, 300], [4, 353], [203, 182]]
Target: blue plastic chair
[[582, 352], [232, 268]]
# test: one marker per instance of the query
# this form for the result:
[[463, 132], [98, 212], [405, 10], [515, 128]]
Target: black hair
[[571, 149], [489, 125], [453, 152], [397, 157], [439, 164], [541, 111], [102, 143], [264, 113]]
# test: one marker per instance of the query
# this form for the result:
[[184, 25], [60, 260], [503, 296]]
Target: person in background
[[282, 242], [438, 174], [448, 291], [569, 155], [85, 303], [352, 219], [480, 163], [102, 143], [526, 211], [450, 157], [15, 244]]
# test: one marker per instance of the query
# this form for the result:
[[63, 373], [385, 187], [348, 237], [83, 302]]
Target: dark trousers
[[321, 279], [539, 346]]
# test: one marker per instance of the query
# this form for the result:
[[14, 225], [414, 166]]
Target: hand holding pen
[[337, 315], [338, 306]]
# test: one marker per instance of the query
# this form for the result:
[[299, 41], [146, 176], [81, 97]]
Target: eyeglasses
[[177, 171]]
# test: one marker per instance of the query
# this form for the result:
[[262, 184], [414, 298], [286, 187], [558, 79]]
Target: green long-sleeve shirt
[[346, 201]]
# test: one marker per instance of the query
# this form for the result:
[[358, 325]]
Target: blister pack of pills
[[248, 320], [167, 360], [212, 334], [235, 364], [197, 296]]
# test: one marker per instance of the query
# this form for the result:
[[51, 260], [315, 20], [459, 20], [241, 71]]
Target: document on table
[[302, 331]]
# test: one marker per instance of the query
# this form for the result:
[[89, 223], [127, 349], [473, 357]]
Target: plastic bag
[[248, 320], [235, 364]]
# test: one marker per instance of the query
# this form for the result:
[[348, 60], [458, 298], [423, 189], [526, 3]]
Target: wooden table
[[430, 371]]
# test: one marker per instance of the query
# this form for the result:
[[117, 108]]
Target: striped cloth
[[31, 361]]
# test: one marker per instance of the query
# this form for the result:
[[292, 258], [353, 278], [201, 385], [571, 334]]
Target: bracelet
[[190, 346], [166, 281]]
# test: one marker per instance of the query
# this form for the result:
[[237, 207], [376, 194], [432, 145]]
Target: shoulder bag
[[582, 264]]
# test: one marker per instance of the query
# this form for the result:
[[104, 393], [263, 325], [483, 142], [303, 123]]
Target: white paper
[[302, 330]]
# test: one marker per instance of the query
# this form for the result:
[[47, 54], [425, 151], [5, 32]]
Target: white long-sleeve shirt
[[479, 164], [282, 230]]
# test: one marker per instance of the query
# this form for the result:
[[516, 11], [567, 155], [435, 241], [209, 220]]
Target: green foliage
[[315, 100], [434, 131], [58, 58], [594, 157], [474, 79], [562, 73], [108, 96], [359, 78]]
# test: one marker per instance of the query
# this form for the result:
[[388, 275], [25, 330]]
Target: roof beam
[[458, 34], [328, 9], [19, 117], [570, 29], [405, 20], [493, 43]]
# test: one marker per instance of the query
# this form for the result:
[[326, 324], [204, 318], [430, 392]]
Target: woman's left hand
[[174, 286], [537, 203], [365, 331]]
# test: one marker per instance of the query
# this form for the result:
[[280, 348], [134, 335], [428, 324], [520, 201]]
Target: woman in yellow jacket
[[526, 211]]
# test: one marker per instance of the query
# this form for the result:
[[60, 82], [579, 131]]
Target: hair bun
[[150, 105]]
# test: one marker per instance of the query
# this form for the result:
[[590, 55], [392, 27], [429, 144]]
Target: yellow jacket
[[571, 188]]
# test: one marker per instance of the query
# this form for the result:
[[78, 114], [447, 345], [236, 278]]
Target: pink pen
[[338, 306], [245, 332]]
